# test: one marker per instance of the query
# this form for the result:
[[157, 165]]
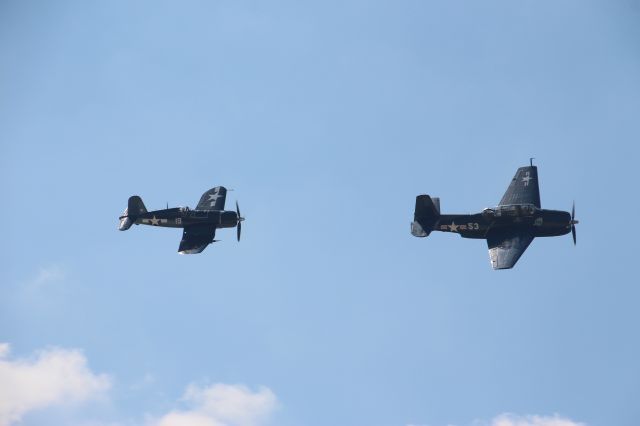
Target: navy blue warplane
[[508, 228], [199, 224]]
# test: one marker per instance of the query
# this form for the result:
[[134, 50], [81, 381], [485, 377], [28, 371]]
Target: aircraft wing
[[213, 199], [523, 188], [506, 248], [195, 238]]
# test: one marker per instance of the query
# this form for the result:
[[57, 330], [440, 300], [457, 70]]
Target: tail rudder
[[135, 208], [425, 216]]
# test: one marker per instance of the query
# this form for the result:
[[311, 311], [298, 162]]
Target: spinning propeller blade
[[240, 219], [573, 222]]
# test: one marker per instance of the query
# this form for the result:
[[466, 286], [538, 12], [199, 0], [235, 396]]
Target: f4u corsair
[[199, 225], [508, 228]]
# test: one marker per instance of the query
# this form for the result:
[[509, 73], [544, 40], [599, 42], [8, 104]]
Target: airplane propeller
[[573, 222], [240, 220]]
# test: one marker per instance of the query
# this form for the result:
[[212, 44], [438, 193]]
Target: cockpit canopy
[[184, 209], [513, 210]]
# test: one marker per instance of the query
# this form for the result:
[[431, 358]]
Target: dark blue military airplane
[[508, 228], [199, 224]]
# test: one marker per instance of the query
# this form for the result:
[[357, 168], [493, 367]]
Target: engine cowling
[[228, 219]]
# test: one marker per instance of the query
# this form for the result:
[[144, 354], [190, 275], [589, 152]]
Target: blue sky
[[327, 119]]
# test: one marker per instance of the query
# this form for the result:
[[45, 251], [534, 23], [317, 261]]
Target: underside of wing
[[523, 188], [506, 249], [196, 238], [213, 199]]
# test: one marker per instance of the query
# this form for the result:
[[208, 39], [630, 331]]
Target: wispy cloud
[[52, 377], [48, 287], [508, 419], [49, 274], [222, 405], [44, 283], [144, 382]]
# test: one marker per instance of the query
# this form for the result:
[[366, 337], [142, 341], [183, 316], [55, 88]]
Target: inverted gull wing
[[506, 249], [523, 188], [196, 238], [213, 199]]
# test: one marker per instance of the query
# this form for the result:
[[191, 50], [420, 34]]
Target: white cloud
[[533, 420], [5, 348], [508, 419], [54, 376], [223, 405]]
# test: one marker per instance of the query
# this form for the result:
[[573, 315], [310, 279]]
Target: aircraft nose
[[564, 219]]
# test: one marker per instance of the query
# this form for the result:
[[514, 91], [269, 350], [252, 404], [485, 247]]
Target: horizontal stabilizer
[[125, 221], [425, 216], [135, 208]]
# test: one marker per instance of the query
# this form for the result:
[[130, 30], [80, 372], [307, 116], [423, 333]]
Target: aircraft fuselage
[[539, 222], [179, 217]]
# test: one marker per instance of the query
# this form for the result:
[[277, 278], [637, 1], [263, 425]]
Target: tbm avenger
[[199, 224], [508, 228]]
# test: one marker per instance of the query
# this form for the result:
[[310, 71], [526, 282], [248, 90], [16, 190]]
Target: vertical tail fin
[[135, 208], [425, 216]]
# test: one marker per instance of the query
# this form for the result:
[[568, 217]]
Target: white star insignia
[[453, 227], [154, 221], [214, 197]]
